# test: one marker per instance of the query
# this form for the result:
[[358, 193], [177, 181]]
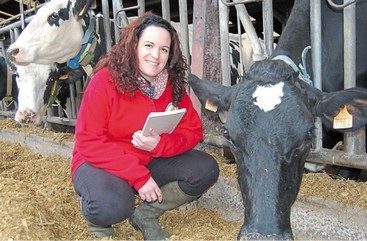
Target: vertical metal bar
[[354, 142], [72, 101], [315, 21], [166, 13], [16, 33], [59, 111], [224, 43], [2, 47], [184, 23], [141, 9], [21, 10], [120, 20], [241, 71], [349, 15], [268, 26], [107, 23], [12, 37]]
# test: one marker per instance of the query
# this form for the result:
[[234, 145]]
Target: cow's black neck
[[296, 34]]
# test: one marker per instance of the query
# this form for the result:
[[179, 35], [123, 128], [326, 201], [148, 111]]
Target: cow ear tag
[[343, 120], [211, 106], [64, 77]]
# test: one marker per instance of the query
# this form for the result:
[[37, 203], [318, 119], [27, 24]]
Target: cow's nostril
[[27, 116], [14, 52]]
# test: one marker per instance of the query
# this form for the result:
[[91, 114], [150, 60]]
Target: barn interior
[[56, 220], [11, 9]]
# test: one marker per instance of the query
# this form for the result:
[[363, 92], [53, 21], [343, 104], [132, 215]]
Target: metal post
[[120, 19], [72, 101], [21, 10], [12, 37], [241, 70], [268, 26], [354, 142], [16, 33], [141, 4], [166, 13], [107, 23], [315, 21], [184, 23], [224, 43]]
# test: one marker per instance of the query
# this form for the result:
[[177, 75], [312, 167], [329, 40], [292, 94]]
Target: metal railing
[[354, 154], [244, 18]]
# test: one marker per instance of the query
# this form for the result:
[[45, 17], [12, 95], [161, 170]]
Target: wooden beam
[[205, 54]]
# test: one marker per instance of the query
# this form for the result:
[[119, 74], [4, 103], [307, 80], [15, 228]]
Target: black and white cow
[[61, 31], [33, 89], [270, 123], [55, 34], [271, 118], [31, 108]]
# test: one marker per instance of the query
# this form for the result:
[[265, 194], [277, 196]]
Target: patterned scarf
[[154, 89]]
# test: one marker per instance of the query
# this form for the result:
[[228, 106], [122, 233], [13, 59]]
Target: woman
[[112, 160]]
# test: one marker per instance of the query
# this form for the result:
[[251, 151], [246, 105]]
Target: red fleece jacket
[[107, 120]]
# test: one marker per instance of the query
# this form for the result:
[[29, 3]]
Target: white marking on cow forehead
[[267, 97]]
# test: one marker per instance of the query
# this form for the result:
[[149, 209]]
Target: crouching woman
[[112, 160]]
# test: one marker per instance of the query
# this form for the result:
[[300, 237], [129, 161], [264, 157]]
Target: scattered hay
[[22, 215], [40, 203], [341, 190]]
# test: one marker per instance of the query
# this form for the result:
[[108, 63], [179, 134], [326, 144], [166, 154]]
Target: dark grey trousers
[[107, 199]]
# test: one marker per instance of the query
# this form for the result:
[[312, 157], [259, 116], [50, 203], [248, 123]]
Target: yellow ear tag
[[343, 119], [211, 106]]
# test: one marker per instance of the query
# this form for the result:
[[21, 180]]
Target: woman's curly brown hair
[[122, 59]]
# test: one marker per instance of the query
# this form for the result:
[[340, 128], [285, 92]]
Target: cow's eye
[[309, 134], [55, 15], [226, 134]]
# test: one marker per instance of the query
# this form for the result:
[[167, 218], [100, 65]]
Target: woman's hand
[[146, 143], [150, 191]]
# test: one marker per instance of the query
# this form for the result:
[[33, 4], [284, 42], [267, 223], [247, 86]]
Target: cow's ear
[[348, 106], [80, 8], [211, 93]]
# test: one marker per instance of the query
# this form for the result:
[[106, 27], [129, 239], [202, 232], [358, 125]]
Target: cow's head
[[31, 83], [270, 123], [54, 34]]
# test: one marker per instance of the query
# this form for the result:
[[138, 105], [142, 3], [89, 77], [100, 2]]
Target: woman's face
[[153, 51]]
